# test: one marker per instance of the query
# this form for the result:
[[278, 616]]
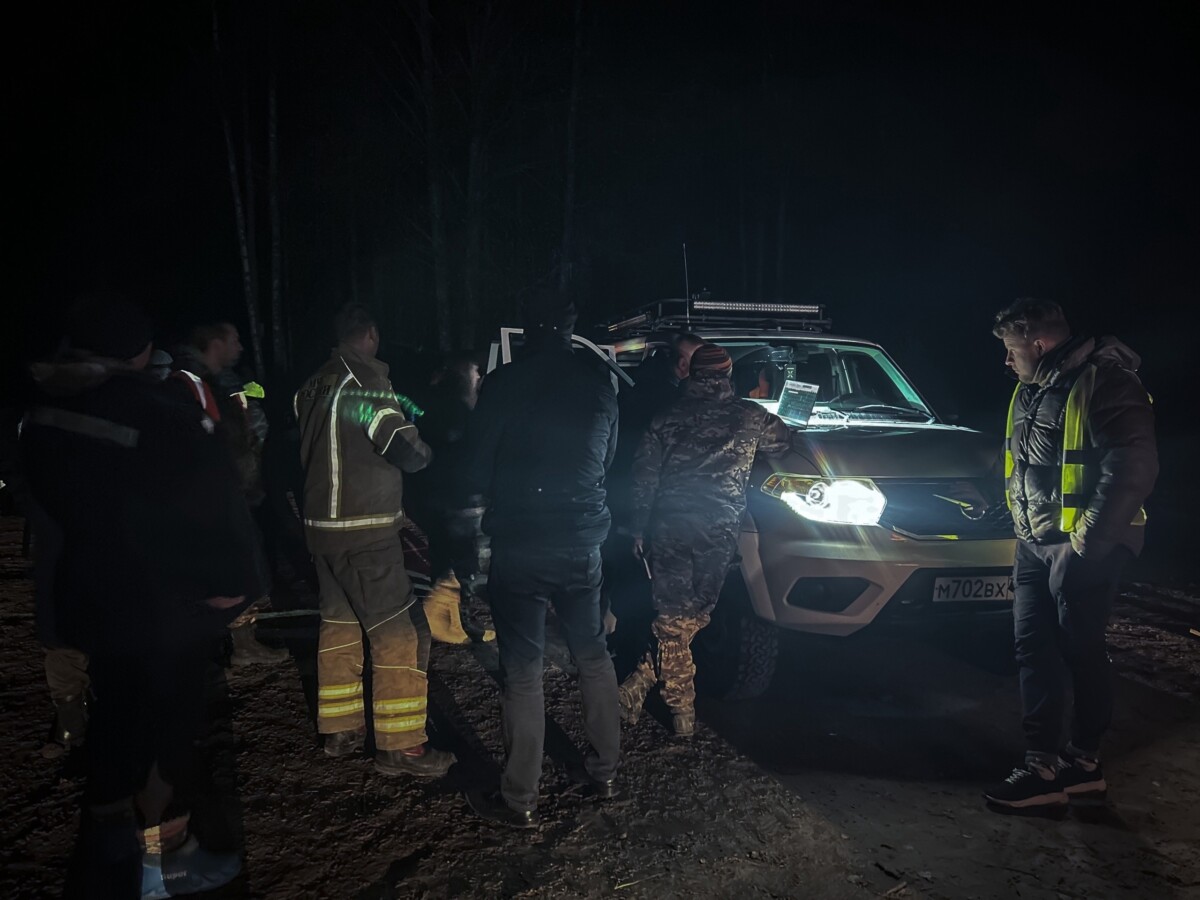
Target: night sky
[[933, 161]]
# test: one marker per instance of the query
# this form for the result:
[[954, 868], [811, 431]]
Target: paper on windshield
[[797, 401]]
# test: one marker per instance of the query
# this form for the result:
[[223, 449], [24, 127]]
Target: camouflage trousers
[[688, 571]]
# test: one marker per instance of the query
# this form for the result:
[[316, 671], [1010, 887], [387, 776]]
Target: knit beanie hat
[[711, 358]]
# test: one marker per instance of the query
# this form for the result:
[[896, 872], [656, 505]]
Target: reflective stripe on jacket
[[349, 419]]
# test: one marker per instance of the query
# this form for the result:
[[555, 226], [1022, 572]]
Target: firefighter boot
[[442, 612], [249, 651], [633, 691], [345, 743], [423, 761], [70, 721]]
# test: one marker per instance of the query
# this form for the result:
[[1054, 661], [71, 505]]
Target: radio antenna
[[687, 291]]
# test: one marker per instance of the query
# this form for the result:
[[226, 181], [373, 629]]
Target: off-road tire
[[736, 654]]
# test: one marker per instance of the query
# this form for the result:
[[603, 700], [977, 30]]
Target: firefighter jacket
[[1080, 456], [540, 441], [152, 519], [694, 462], [354, 441]]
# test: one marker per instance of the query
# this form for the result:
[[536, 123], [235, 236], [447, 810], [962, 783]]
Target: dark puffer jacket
[[541, 441], [1121, 456]]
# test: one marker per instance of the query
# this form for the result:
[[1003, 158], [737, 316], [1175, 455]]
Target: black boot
[[493, 807], [428, 763]]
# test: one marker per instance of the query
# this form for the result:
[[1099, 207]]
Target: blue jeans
[[1061, 609], [520, 585]]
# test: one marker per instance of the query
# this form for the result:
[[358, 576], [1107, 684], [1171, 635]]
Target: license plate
[[986, 587]]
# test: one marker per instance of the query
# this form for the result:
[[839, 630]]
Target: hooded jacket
[[693, 465], [152, 518], [354, 442], [1119, 455]]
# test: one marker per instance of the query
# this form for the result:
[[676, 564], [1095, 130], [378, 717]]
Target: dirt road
[[857, 776]]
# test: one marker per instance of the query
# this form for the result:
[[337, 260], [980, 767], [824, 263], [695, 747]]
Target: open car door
[[502, 352]]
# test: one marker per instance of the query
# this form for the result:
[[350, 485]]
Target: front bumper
[[880, 568]]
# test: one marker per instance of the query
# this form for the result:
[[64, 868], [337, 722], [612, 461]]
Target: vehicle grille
[[917, 509]]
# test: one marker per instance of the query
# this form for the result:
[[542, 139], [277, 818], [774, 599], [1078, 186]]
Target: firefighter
[[541, 440], [355, 442], [689, 493], [154, 563], [205, 372], [1080, 460]]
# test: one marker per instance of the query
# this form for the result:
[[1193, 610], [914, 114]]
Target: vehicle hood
[[897, 451]]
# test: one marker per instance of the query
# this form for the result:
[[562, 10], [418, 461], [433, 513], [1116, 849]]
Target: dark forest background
[[912, 166]]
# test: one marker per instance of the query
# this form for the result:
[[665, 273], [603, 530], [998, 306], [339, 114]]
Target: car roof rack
[[701, 310]]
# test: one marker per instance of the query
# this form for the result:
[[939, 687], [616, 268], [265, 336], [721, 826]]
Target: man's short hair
[[679, 340], [353, 321], [1032, 320], [203, 335]]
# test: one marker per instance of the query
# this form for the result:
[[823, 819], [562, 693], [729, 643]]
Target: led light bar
[[796, 309]]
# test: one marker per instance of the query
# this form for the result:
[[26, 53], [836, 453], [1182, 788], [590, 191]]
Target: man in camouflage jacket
[[689, 493]]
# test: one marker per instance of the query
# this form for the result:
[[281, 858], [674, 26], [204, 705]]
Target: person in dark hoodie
[[1080, 460], [154, 563], [541, 441]]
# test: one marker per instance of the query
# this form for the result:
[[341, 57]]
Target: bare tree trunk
[[443, 313], [355, 296], [473, 261], [566, 262], [279, 334], [239, 215], [251, 210]]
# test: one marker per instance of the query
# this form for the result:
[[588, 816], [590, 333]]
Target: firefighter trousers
[[688, 573], [365, 591]]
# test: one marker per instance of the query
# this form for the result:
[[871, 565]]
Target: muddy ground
[[858, 775]]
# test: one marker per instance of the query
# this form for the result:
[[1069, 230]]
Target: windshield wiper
[[887, 407]]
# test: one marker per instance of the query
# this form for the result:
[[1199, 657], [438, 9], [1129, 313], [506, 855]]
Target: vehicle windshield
[[853, 382]]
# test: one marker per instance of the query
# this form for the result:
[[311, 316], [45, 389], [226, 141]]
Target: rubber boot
[[190, 869], [632, 693], [249, 651], [443, 613]]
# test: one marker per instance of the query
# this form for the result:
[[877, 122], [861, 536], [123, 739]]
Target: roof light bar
[[798, 309]]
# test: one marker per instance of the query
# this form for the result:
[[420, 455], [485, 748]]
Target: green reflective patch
[[254, 389], [360, 406]]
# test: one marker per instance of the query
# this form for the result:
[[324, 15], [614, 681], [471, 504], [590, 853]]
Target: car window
[[851, 379]]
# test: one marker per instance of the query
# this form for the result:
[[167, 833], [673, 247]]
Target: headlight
[[838, 501]]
